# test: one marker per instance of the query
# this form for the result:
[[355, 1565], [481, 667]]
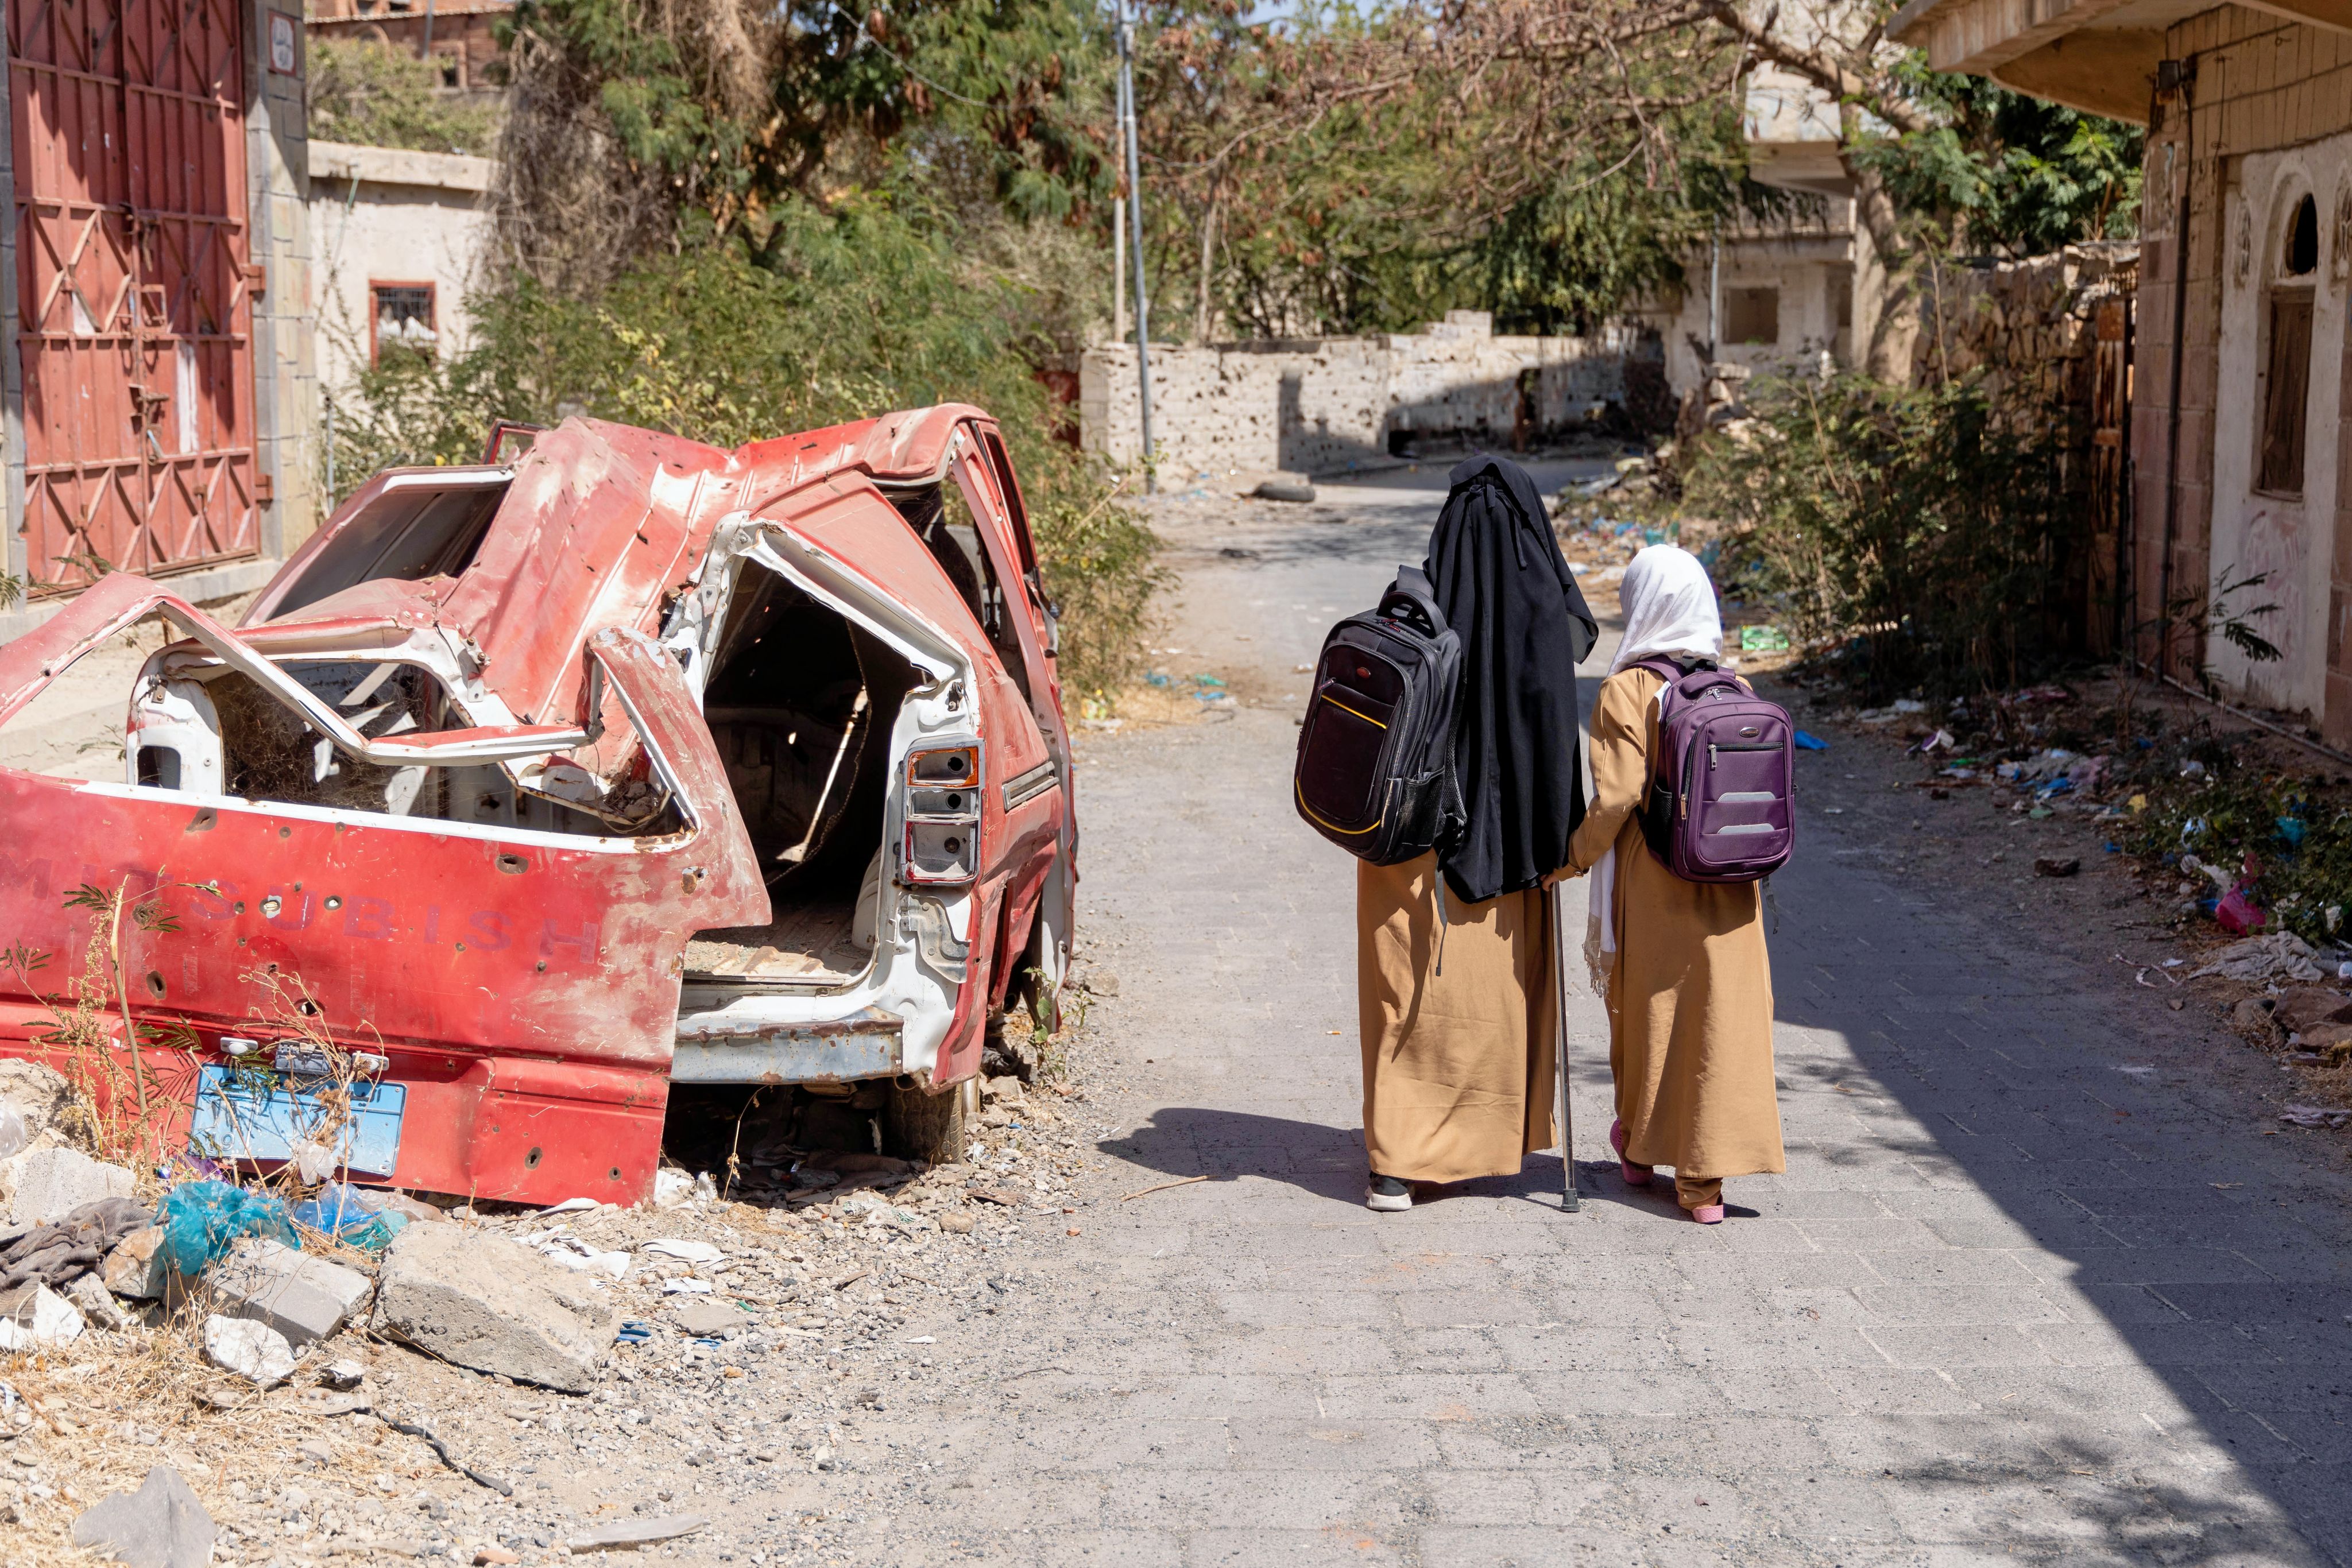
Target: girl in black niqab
[[1508, 593], [1458, 1054]]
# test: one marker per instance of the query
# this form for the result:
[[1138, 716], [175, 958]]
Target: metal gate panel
[[135, 318]]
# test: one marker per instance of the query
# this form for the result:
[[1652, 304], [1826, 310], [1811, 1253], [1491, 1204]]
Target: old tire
[[918, 1124]]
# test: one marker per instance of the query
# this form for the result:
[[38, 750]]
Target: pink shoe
[[1635, 1175], [1706, 1213]]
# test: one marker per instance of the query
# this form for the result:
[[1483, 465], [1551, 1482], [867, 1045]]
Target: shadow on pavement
[[1328, 1161]]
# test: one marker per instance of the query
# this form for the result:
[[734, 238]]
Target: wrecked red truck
[[548, 784]]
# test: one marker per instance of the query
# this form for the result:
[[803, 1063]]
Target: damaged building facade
[[2241, 434]]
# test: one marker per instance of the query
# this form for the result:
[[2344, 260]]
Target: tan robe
[[1458, 1066], [1690, 989]]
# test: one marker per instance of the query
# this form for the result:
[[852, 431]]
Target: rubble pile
[[492, 1387]]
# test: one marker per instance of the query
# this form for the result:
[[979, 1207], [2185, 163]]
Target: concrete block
[[42, 1185], [160, 1525], [132, 1269], [304, 1298], [252, 1350], [41, 1094], [33, 1316], [491, 1304]]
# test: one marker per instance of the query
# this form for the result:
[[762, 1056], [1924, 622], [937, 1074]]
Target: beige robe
[[1458, 1066], [1690, 987]]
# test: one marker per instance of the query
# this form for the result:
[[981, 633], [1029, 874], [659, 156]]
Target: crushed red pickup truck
[[548, 785]]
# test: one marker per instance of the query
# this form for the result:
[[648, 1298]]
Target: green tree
[[364, 92], [1996, 171]]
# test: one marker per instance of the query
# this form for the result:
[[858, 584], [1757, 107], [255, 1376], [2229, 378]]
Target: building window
[[402, 317], [2286, 367], [1842, 297], [1751, 316]]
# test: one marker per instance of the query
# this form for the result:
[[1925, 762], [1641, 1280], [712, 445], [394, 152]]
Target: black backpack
[[1375, 771]]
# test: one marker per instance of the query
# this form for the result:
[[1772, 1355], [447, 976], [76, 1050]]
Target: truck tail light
[[942, 813]]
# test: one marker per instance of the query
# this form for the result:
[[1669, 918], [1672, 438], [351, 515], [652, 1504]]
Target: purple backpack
[[1721, 806]]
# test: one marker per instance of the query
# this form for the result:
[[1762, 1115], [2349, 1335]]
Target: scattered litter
[[1763, 639], [672, 1187], [2282, 956], [1806, 742], [2134, 1071], [686, 1287], [923, 1339], [2237, 913], [633, 1332], [571, 1206], [353, 1216], [343, 1374], [570, 1252], [74, 1244], [2052, 865], [1940, 741], [2315, 1116], [200, 1218]]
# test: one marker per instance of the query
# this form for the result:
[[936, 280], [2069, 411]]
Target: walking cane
[[1559, 1047]]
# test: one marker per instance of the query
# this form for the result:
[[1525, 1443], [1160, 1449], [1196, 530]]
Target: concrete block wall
[[1330, 404], [285, 370]]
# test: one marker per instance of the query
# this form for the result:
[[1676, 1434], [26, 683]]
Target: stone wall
[[2050, 335], [2028, 324], [1327, 406]]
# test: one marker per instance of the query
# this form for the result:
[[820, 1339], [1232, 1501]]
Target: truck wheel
[[920, 1125]]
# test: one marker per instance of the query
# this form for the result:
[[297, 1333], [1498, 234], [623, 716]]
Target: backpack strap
[[1412, 600]]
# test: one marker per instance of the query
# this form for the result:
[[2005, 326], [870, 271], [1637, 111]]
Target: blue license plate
[[260, 1117]]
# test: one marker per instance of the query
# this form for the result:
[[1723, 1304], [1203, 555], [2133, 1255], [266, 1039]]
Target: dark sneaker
[[1388, 1195]]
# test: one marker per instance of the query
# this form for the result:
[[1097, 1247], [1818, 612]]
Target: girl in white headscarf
[[1681, 965]]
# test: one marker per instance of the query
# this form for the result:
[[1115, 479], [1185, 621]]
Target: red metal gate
[[133, 290]]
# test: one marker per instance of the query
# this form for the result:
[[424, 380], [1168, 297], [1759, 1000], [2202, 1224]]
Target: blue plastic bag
[[350, 1215], [1810, 742], [200, 1218]]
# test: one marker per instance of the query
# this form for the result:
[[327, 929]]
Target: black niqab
[[1507, 592]]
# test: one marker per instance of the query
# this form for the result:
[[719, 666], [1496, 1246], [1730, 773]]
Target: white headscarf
[[1670, 608]]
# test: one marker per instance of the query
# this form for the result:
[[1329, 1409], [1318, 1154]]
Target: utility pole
[[1118, 270], [1135, 210], [1715, 294]]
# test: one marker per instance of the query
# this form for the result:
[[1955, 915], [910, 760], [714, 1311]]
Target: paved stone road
[[2035, 1286]]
